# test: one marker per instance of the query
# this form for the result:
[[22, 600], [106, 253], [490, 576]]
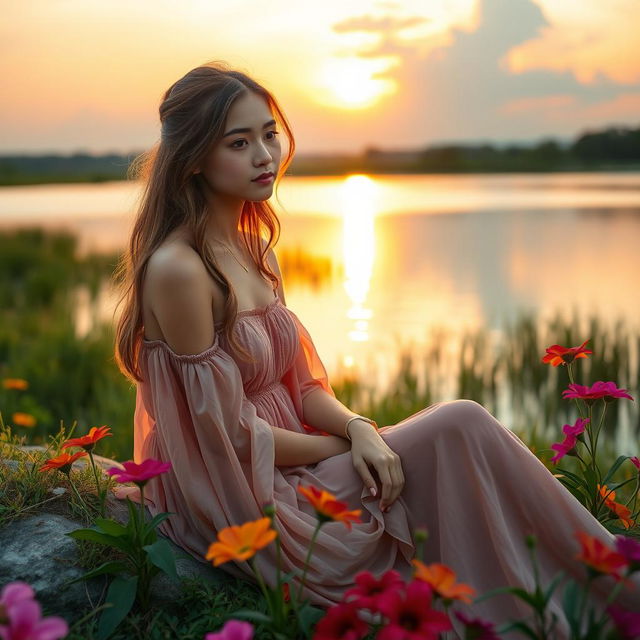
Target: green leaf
[[573, 476], [515, 591], [111, 527], [249, 614], [161, 555], [552, 586], [570, 605], [522, 627], [101, 538], [614, 468], [308, 616], [108, 567], [121, 594], [155, 521]]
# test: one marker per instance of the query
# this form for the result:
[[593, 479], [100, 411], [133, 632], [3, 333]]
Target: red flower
[[607, 390], [410, 614], [369, 589], [636, 462], [476, 628], [627, 623], [139, 473], [63, 462], [557, 355], [598, 557], [341, 622], [89, 441]]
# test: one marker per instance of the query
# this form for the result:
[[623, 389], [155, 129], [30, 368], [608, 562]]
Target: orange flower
[[598, 557], [443, 581], [23, 419], [15, 383], [63, 462], [89, 441], [619, 510], [240, 542], [328, 507], [557, 355]]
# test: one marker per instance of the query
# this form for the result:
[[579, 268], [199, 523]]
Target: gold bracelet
[[350, 420]]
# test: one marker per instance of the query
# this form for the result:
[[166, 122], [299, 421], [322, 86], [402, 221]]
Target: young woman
[[231, 390]]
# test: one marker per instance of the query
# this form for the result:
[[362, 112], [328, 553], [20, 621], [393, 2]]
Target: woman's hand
[[368, 448]]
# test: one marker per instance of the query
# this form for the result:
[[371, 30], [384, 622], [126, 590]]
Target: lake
[[373, 264]]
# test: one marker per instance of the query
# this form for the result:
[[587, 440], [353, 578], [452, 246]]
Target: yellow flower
[[23, 419], [15, 383], [241, 543]]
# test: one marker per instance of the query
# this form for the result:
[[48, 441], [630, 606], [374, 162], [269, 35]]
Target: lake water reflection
[[374, 263]]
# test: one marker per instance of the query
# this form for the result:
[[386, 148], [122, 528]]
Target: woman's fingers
[[367, 478]]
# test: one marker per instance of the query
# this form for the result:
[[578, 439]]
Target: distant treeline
[[610, 149]]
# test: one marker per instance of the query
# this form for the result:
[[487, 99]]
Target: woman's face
[[249, 148]]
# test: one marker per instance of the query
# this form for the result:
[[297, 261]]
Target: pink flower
[[22, 615], [233, 630], [564, 448], [630, 549], [636, 461], [368, 589], [410, 614], [341, 622], [607, 390], [627, 623], [477, 628], [139, 473], [16, 592], [557, 355]]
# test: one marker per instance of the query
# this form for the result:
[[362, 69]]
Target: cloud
[[467, 89]]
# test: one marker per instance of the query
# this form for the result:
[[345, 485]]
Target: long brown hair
[[192, 113]]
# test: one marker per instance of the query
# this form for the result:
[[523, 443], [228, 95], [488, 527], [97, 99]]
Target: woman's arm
[[292, 448]]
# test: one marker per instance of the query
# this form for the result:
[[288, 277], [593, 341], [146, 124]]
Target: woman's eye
[[235, 144], [275, 133]]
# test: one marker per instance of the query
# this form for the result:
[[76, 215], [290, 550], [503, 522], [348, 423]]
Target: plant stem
[[306, 562], [95, 474], [82, 503]]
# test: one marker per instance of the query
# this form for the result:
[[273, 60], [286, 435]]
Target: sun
[[350, 83]]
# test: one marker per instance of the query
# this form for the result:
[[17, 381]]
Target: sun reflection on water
[[358, 200]]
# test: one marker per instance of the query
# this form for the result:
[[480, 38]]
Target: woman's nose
[[262, 155]]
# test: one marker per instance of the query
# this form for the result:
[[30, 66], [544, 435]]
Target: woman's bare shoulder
[[173, 262]]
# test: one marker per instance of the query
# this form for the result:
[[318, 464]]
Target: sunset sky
[[88, 75]]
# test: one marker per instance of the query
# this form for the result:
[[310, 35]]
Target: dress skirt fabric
[[469, 480]]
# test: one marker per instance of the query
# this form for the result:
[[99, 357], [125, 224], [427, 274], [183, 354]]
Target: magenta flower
[[627, 623], [139, 473], [232, 630], [636, 461], [577, 428], [476, 628], [22, 615], [630, 549], [607, 390], [564, 448], [369, 589]]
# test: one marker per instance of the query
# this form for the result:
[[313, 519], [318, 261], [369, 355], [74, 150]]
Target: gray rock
[[35, 549]]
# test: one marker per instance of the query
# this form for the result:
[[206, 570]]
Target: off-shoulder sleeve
[[307, 373], [191, 410]]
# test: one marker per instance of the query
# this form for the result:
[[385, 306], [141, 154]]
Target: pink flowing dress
[[468, 479]]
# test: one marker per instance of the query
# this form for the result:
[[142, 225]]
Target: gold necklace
[[233, 255]]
